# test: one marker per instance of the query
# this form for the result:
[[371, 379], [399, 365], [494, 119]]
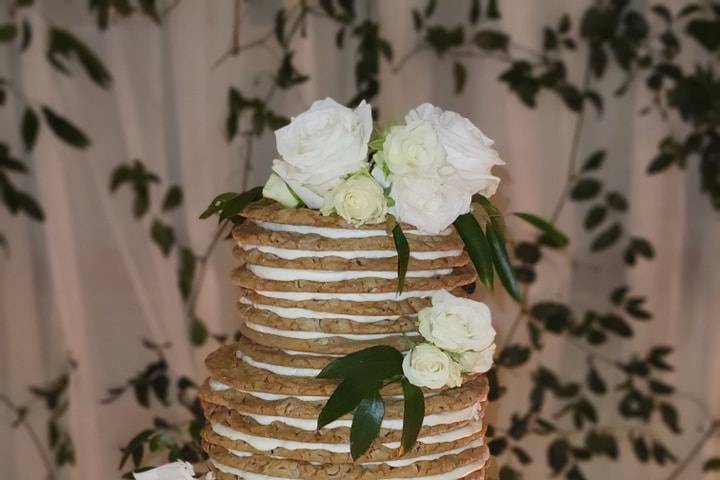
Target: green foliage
[[362, 375], [477, 246], [402, 249], [63, 46]]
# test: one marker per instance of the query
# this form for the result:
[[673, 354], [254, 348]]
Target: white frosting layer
[[350, 297], [466, 414], [268, 444], [451, 475], [220, 387], [292, 254], [286, 312], [335, 232], [307, 335], [278, 369], [292, 274], [433, 456]]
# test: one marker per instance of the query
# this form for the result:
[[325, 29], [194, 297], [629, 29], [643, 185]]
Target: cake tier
[[314, 288]]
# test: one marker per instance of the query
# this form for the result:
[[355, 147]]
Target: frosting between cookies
[[278, 369], [350, 297], [459, 472], [310, 335], [334, 232], [292, 254], [289, 312], [466, 414], [293, 274], [267, 443], [221, 387]]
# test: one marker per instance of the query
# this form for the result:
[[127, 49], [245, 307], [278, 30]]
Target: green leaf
[[229, 204], [670, 417], [198, 332], [501, 260], [186, 272], [617, 201], [508, 473], [594, 161], [660, 163], [345, 398], [413, 413], [29, 128], [173, 198], [459, 77], [64, 129], [595, 216], [62, 45], [135, 444], [380, 362], [558, 455], [492, 40], [403, 254], [711, 464], [8, 32], [366, 423], [477, 246], [551, 235], [607, 238], [514, 355], [585, 189], [163, 235], [616, 324], [595, 382]]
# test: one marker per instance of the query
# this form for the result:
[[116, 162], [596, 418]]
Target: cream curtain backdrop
[[89, 284]]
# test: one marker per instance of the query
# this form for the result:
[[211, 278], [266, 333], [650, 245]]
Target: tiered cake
[[314, 288]]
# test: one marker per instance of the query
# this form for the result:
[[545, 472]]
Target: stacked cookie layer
[[314, 288]]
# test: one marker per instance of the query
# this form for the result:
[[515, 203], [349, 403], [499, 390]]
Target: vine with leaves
[[611, 36]]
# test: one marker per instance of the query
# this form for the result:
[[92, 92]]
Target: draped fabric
[[89, 284]]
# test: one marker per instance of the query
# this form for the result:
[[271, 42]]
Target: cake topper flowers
[[426, 172]]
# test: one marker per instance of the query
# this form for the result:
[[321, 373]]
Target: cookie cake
[[360, 356]]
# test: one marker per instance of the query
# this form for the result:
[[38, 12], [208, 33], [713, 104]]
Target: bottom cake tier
[[262, 425]]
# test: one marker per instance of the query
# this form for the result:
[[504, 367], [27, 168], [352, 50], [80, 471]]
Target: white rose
[[412, 148], [278, 190], [428, 366], [468, 149], [359, 200], [477, 362], [429, 203], [322, 145], [171, 471], [456, 324]]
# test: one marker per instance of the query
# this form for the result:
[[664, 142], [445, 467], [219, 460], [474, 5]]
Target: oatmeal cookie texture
[[313, 288]]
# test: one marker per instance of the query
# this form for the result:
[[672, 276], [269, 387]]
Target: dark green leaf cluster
[[362, 375], [56, 399]]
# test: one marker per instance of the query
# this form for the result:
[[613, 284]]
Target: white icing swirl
[[335, 232], [310, 335], [292, 274], [292, 254]]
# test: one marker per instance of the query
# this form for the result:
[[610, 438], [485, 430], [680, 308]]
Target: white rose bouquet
[[459, 339], [427, 169]]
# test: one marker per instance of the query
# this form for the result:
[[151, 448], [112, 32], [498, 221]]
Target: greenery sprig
[[362, 376]]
